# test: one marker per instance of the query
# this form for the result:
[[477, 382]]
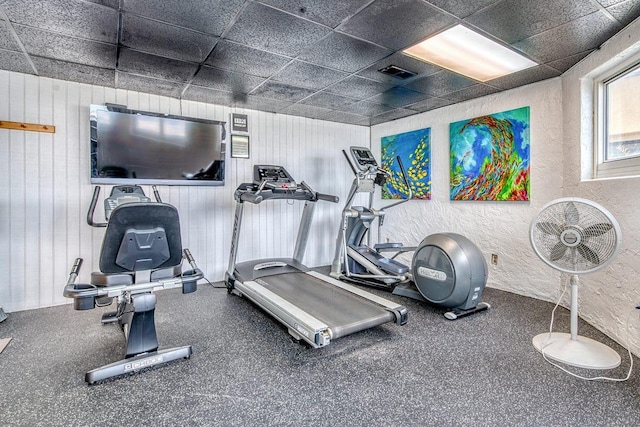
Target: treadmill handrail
[[327, 197], [254, 198]]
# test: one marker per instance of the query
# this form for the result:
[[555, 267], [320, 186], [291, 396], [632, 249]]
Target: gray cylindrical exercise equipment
[[449, 270]]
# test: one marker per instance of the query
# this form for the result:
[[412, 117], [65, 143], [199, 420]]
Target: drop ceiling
[[310, 58]]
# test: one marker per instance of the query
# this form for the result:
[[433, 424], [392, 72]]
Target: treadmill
[[314, 307]]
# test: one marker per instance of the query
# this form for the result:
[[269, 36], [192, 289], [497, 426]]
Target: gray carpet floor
[[246, 371]]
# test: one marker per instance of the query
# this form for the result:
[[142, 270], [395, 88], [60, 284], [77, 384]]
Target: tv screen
[[152, 148]]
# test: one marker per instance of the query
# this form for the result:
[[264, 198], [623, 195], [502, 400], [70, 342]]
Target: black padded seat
[[145, 217]]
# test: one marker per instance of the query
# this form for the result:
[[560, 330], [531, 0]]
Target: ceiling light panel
[[466, 52]]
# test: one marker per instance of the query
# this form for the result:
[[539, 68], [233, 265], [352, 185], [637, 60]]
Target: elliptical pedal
[[368, 282], [457, 313]]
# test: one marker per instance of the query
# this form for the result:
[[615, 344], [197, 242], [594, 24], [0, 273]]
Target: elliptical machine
[[141, 252], [447, 269]]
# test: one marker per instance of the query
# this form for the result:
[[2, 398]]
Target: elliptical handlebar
[[405, 178], [346, 156]]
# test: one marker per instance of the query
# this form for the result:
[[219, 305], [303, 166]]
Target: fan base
[[582, 352]]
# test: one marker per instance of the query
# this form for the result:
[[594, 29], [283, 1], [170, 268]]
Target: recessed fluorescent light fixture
[[466, 52]]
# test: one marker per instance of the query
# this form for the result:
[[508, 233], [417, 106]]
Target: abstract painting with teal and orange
[[490, 157], [414, 149]]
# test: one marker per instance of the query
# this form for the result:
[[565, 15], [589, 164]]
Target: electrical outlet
[[494, 259]]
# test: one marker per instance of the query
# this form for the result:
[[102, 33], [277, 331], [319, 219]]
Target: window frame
[[615, 168]]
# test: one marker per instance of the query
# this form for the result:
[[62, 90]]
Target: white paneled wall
[[45, 188]]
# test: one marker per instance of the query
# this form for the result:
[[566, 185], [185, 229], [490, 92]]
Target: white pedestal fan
[[575, 236]]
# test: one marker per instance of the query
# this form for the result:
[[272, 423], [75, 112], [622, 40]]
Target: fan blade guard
[[558, 251], [588, 254], [595, 231], [571, 214], [550, 228]]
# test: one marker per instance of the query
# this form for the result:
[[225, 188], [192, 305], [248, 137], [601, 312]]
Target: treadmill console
[[275, 178], [363, 158]]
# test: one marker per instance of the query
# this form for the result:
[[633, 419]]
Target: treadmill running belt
[[344, 312]]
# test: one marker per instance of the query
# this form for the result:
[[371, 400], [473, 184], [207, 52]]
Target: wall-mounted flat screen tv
[[150, 148]]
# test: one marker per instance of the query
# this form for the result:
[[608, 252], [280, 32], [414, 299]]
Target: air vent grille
[[395, 71]]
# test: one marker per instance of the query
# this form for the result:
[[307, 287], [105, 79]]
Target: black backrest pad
[[132, 217]]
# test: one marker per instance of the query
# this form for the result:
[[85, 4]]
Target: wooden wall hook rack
[[27, 126]]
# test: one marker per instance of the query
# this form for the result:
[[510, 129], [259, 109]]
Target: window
[[617, 124]]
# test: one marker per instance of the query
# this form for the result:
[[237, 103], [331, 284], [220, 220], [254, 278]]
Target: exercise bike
[[447, 269], [141, 252]]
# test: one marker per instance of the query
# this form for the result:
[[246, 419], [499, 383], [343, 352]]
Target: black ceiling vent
[[395, 71]]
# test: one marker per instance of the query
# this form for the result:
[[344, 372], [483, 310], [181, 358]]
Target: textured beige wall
[[561, 165], [500, 228], [607, 297]]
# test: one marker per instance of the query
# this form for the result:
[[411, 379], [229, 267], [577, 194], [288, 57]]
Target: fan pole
[[574, 307]]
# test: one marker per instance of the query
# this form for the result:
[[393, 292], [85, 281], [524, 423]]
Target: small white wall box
[[240, 146]]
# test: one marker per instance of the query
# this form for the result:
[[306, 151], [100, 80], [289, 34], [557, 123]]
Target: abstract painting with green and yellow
[[490, 157], [414, 149]]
